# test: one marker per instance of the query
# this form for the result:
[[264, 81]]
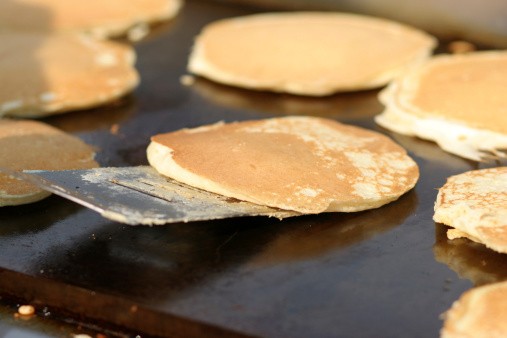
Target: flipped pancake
[[97, 17], [479, 313], [304, 164], [458, 101], [31, 145], [307, 53], [475, 205], [55, 73]]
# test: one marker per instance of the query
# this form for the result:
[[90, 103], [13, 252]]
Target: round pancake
[[479, 313], [31, 145], [97, 17], [303, 164], [307, 53], [49, 74], [457, 101], [475, 205]]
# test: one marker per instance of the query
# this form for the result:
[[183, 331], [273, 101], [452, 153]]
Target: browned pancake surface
[[479, 313], [306, 53], [296, 163], [31, 145], [467, 88], [475, 204], [50, 74], [99, 17]]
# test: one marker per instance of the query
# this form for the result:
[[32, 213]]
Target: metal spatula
[[139, 195]]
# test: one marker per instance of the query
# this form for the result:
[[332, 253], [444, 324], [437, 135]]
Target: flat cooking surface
[[388, 272]]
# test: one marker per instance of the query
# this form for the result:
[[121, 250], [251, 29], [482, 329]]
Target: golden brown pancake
[[31, 145], [457, 101], [479, 313], [475, 205], [304, 164], [49, 74], [97, 17], [307, 53]]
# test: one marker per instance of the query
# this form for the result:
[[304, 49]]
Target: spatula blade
[[140, 195]]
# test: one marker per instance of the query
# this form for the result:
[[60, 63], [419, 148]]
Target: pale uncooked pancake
[[50, 74], [101, 18], [475, 205], [479, 313], [304, 164], [31, 145], [457, 101], [307, 53]]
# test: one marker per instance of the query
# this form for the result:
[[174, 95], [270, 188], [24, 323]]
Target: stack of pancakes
[[457, 101]]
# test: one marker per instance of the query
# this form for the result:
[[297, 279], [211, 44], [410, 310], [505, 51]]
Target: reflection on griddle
[[158, 263], [312, 237], [155, 31], [95, 119], [346, 105], [35, 217], [468, 259], [155, 264]]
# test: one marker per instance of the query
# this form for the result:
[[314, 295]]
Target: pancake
[[32, 145], [303, 164], [479, 313], [49, 74], [458, 101], [475, 205], [97, 17], [307, 53]]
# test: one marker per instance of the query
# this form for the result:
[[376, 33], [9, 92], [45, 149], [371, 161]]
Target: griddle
[[388, 272]]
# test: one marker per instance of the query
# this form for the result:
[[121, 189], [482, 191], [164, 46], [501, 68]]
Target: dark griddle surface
[[388, 272]]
